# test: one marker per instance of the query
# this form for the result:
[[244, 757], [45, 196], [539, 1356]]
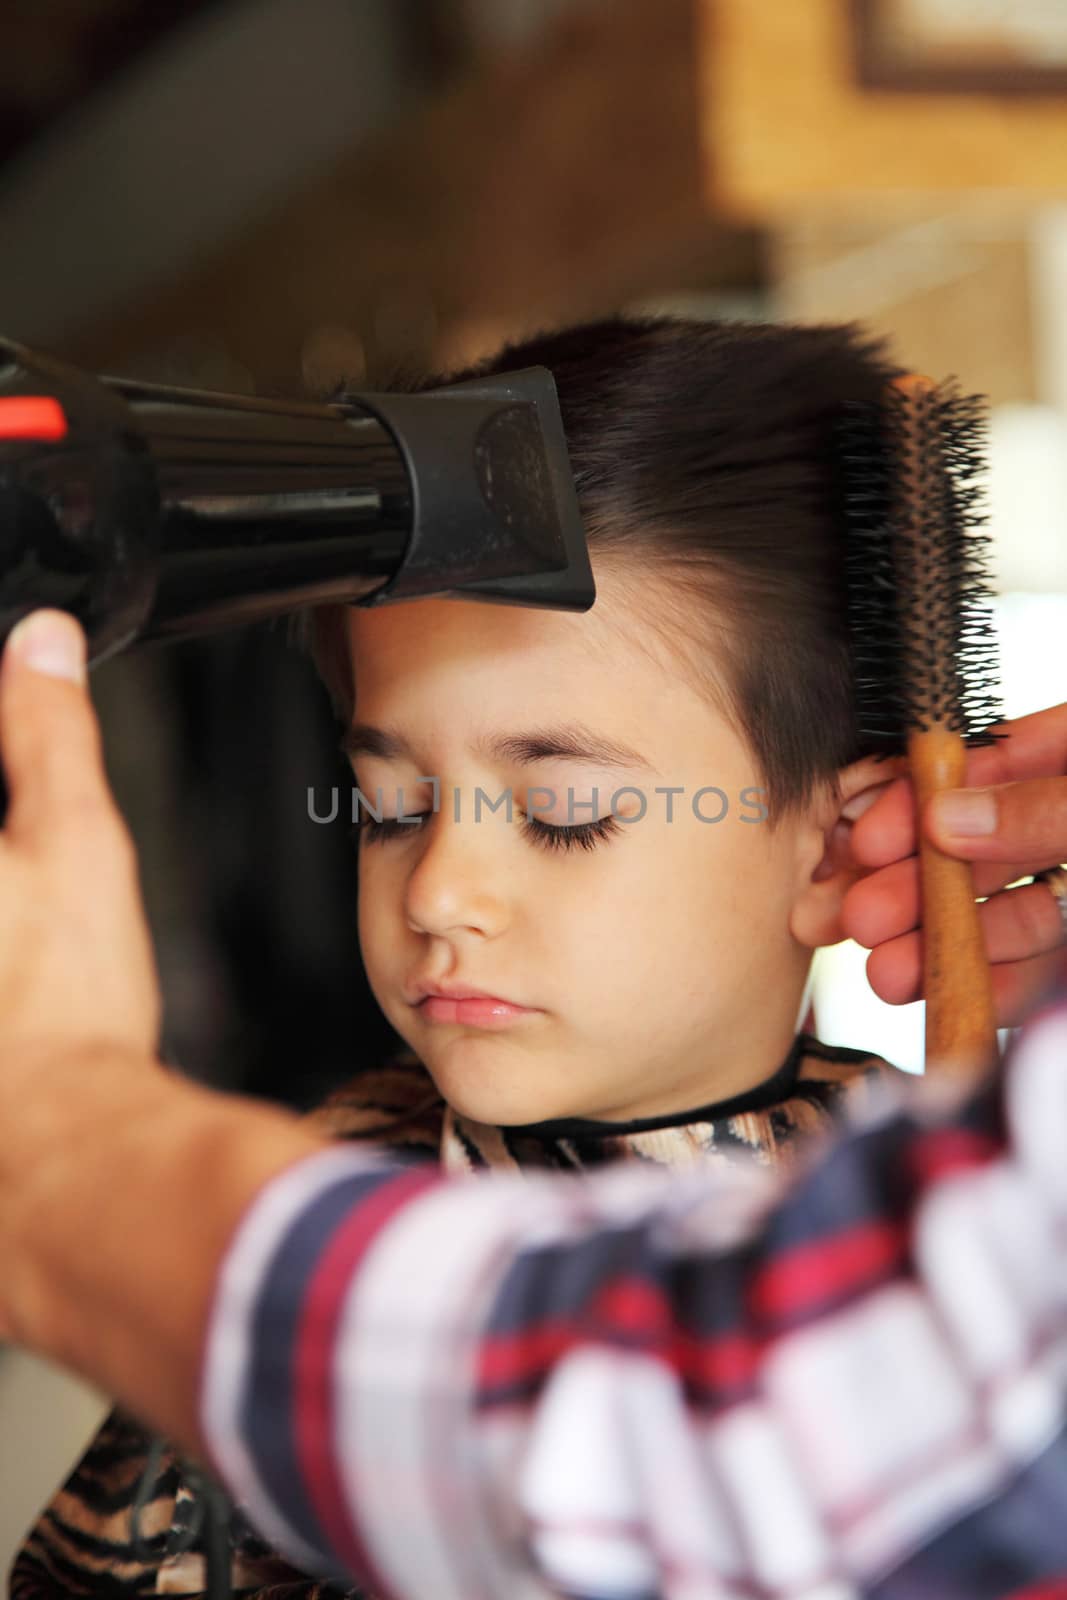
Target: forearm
[[455, 1385], [120, 1186], [448, 1387]]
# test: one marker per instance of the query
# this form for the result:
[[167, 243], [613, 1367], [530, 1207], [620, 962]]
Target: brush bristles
[[921, 627]]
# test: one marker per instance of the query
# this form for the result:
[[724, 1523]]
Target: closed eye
[[586, 835], [582, 835]]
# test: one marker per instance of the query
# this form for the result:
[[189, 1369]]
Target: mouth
[[461, 1003], [450, 1000], [479, 1011]]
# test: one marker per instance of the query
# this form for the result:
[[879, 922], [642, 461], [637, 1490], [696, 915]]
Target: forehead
[[441, 669], [452, 647]]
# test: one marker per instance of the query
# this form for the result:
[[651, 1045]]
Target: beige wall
[[784, 123], [47, 1420]]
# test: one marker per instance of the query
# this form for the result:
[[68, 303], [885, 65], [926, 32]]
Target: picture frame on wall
[[1014, 47]]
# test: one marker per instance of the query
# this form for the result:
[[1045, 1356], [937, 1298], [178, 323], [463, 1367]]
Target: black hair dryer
[[155, 513]]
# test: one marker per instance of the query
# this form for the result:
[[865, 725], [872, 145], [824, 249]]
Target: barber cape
[[83, 1542]]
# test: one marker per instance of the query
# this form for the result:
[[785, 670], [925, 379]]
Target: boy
[[668, 782]]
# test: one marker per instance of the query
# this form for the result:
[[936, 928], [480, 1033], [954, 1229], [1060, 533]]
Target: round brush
[[925, 660]]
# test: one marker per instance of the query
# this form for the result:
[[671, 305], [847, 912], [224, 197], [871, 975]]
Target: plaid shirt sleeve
[[641, 1383]]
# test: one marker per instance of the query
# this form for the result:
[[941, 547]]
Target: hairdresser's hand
[[76, 960], [1021, 807]]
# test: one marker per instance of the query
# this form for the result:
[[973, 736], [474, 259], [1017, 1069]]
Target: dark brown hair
[[705, 454]]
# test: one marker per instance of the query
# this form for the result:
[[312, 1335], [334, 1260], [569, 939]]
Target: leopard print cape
[[83, 1542]]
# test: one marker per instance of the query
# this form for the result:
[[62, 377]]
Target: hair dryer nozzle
[[495, 512]]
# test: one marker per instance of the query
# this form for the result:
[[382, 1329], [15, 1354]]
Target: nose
[[459, 875]]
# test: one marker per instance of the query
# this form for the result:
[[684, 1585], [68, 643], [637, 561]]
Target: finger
[[1035, 747], [49, 736], [1012, 819], [887, 903], [1023, 922], [886, 832], [1018, 986], [1018, 927]]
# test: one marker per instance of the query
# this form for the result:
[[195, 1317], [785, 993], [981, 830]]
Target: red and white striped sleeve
[[641, 1382]]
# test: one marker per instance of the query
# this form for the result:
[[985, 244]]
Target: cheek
[[366, 926], [711, 890], [377, 907], [740, 892], [616, 930]]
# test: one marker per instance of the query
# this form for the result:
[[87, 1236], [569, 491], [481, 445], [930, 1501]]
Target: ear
[[825, 867]]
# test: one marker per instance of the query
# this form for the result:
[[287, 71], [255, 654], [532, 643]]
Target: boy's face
[[657, 967]]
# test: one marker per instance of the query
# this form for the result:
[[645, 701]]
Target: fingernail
[[967, 813], [50, 642], [854, 809]]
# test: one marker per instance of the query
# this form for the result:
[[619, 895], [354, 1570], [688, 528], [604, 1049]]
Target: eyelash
[[584, 835]]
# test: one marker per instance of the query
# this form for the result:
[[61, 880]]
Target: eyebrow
[[570, 742]]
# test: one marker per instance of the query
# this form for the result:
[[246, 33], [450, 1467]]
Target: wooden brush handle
[[961, 1029]]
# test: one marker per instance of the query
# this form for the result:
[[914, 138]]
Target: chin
[[486, 1082], [496, 1108]]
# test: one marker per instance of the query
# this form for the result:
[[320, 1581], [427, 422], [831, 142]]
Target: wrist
[[65, 1106], [115, 1212]]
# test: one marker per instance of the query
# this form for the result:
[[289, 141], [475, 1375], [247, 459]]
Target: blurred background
[[269, 196]]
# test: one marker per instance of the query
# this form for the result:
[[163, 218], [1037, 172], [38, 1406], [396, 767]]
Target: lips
[[479, 1011]]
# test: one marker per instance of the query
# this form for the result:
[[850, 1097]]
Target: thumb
[[1025, 821], [49, 737]]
